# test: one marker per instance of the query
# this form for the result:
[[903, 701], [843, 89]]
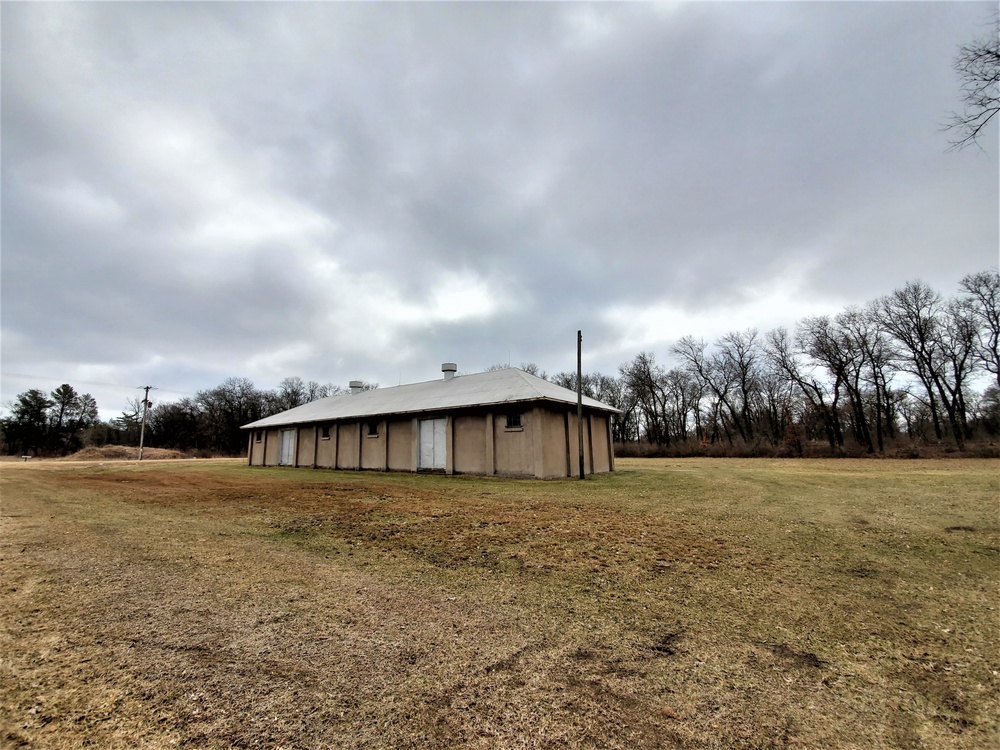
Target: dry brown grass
[[123, 453], [673, 604]]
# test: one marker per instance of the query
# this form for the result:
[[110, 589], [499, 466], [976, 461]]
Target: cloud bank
[[340, 191]]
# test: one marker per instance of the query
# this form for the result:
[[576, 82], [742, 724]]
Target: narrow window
[[324, 432], [258, 436], [513, 421], [373, 429]]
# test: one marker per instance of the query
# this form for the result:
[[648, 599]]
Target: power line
[[84, 382]]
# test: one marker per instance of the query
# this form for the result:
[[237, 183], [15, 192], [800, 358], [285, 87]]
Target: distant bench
[[25, 457]]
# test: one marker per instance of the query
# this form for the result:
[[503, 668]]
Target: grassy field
[[673, 604]]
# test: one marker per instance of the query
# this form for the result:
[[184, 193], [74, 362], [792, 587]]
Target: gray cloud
[[193, 191]]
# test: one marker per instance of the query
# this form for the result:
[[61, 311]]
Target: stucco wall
[[571, 431], [325, 447], [514, 446], [373, 446], [401, 445], [273, 439], [479, 442], [469, 441], [552, 453], [305, 443], [596, 448], [347, 445], [601, 452], [256, 449]]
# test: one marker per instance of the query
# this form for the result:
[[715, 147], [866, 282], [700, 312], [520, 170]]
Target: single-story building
[[506, 422]]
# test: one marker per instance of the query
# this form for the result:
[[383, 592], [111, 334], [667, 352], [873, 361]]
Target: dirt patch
[[802, 659], [666, 644], [862, 571]]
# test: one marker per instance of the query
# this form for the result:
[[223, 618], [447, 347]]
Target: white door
[[432, 444], [286, 454]]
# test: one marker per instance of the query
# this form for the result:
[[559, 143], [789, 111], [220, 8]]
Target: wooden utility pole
[[579, 396], [145, 408]]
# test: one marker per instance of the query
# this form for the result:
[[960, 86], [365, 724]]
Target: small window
[[258, 436], [373, 429], [513, 421], [324, 432]]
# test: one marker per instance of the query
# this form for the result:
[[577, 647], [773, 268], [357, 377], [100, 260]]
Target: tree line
[[906, 365], [905, 368], [50, 424], [209, 423]]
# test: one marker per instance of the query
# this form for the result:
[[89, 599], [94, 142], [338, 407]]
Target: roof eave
[[351, 417]]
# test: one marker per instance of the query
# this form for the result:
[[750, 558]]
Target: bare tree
[[822, 400], [291, 392], [682, 399], [978, 68], [532, 369], [916, 413], [718, 376], [177, 425], [910, 314], [626, 424], [529, 367], [959, 340], [830, 343], [937, 341], [226, 408], [983, 289], [989, 410], [315, 391], [130, 422], [644, 378], [864, 332], [739, 359], [778, 405]]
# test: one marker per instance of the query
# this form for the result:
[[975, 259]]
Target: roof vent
[[355, 386], [449, 369]]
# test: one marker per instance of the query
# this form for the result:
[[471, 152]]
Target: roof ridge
[[534, 386]]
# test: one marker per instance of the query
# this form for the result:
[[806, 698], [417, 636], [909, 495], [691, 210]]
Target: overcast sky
[[338, 191]]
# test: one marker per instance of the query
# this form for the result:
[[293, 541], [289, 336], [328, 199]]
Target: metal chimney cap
[[449, 369], [356, 386]]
